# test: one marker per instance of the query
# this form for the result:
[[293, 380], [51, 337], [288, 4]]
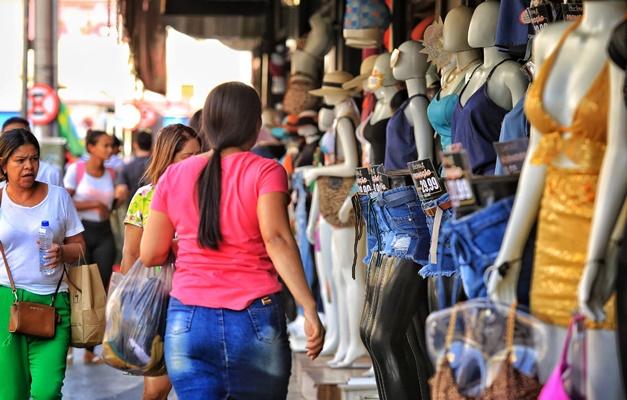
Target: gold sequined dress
[[567, 205]]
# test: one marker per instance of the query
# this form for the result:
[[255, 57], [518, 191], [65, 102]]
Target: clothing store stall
[[456, 197]]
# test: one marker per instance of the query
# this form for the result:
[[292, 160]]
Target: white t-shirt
[[18, 232], [48, 173], [90, 188]]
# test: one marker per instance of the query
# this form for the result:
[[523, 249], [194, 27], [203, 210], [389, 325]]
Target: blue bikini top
[[440, 114]]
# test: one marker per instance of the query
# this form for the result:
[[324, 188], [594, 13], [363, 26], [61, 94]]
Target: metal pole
[[26, 44], [44, 45]]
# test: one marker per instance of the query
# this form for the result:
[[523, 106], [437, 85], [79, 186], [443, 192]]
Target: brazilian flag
[[67, 130]]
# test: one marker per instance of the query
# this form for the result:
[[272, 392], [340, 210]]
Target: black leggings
[[393, 329], [100, 249]]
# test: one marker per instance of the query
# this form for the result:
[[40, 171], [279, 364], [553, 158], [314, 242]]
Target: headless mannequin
[[349, 293], [599, 279], [464, 58], [507, 84], [455, 41], [384, 89], [324, 261], [491, 91], [567, 83], [411, 67]]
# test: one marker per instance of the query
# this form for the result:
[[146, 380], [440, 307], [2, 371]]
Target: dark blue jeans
[[401, 212], [476, 240], [445, 265], [216, 353], [371, 229]]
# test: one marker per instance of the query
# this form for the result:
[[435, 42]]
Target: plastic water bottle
[[45, 242]]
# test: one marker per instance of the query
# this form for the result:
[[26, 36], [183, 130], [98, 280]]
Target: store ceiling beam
[[215, 7]]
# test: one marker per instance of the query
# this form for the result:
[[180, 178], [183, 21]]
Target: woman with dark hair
[[32, 367], [91, 186], [175, 143], [226, 332]]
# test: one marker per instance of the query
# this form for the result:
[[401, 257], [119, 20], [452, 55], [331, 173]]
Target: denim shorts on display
[[409, 235], [371, 231], [445, 265], [476, 240]]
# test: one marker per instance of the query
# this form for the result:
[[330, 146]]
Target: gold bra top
[[586, 145]]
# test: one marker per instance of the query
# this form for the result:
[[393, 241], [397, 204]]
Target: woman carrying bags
[[226, 331]]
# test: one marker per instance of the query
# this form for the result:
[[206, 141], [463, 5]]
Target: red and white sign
[[43, 104], [149, 115]]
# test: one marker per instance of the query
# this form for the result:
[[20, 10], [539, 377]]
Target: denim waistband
[[398, 196]]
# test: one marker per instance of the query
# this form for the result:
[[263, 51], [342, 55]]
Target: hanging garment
[[477, 124], [440, 113], [375, 135], [565, 216], [365, 21], [400, 146]]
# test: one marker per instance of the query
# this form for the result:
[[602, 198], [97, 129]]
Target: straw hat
[[332, 84], [367, 65]]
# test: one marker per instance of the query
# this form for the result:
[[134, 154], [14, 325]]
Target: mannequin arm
[[345, 211], [346, 136], [521, 220], [314, 212], [423, 132], [516, 82], [597, 281]]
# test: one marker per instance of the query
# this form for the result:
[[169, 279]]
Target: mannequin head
[[381, 73], [455, 31], [482, 28], [361, 80], [331, 90], [408, 62]]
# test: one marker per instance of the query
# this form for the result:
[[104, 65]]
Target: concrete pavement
[[100, 382]]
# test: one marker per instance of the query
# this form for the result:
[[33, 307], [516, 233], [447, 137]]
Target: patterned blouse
[[139, 207]]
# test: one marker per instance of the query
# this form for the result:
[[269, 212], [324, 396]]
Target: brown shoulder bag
[[28, 318]]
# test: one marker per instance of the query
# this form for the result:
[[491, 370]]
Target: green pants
[[33, 368]]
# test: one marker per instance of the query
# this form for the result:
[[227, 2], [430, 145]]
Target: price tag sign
[[457, 174], [572, 11], [425, 179], [512, 154], [540, 16], [364, 181], [376, 170]]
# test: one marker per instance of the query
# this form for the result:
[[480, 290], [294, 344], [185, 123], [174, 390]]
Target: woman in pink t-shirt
[[226, 332]]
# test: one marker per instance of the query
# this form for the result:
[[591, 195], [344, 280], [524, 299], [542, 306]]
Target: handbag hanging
[[88, 302], [509, 381], [28, 318], [332, 193], [555, 389]]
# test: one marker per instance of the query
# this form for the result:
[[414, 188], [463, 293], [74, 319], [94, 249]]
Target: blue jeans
[[476, 240], [369, 216], [408, 236], [217, 353], [445, 265]]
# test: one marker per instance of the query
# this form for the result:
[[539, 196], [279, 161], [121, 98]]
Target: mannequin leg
[[350, 298], [421, 355], [604, 377], [396, 308], [327, 287]]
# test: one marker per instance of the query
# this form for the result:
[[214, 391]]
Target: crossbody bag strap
[[13, 289], [6, 264]]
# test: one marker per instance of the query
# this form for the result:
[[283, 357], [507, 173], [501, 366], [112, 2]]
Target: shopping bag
[[88, 301], [136, 315]]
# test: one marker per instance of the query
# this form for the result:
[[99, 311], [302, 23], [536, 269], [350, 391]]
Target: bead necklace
[[453, 74]]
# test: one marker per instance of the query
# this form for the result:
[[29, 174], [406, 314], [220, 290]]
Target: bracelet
[[599, 261]]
